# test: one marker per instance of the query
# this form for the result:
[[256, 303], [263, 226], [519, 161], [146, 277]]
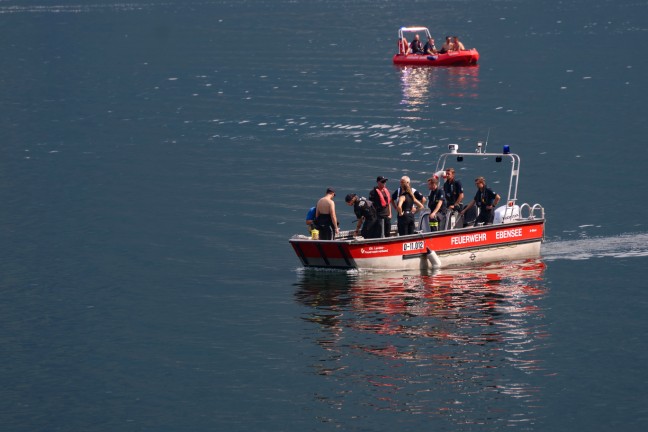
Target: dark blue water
[[156, 156]]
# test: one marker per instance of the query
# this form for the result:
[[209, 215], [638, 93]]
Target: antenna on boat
[[481, 147], [486, 143]]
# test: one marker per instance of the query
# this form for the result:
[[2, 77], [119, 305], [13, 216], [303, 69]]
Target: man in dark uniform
[[381, 199], [453, 191], [486, 200], [437, 205], [366, 214], [429, 47]]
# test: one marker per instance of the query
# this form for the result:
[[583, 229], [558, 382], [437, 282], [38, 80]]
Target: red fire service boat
[[468, 57], [517, 232]]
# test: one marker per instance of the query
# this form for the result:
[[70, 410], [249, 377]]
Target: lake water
[[156, 156]]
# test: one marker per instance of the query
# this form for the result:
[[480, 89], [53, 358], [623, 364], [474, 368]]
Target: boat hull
[[478, 245], [453, 58]]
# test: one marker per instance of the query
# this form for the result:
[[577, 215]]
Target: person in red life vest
[[486, 200], [403, 46], [325, 217], [381, 199]]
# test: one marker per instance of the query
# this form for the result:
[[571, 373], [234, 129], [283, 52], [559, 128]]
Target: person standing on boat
[[486, 200], [405, 182], [453, 191], [437, 205], [381, 199], [416, 47], [406, 210], [447, 45], [364, 210], [429, 47], [325, 217]]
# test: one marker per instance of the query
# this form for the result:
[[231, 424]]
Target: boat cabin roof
[[419, 29]]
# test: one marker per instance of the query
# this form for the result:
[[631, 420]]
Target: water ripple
[[456, 344]]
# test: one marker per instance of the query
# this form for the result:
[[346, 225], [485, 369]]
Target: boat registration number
[[411, 246]]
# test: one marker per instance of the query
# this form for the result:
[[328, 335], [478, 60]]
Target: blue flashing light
[[507, 150]]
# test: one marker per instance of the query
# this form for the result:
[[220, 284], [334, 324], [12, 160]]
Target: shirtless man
[[456, 45], [447, 45], [325, 216]]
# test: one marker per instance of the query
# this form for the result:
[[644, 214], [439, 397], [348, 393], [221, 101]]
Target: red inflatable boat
[[468, 57]]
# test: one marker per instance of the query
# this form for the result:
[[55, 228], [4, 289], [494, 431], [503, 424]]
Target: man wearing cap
[[366, 214], [381, 199], [325, 216]]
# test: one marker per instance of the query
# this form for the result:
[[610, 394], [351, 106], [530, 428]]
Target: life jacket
[[384, 199], [402, 46]]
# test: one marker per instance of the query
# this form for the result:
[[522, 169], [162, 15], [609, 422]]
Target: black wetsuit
[[325, 226], [416, 47]]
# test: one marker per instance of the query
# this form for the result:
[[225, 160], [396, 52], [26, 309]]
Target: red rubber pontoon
[[468, 57]]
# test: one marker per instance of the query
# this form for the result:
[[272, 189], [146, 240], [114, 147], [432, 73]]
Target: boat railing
[[526, 212], [530, 212]]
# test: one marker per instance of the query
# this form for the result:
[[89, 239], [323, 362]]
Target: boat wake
[[622, 246]]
